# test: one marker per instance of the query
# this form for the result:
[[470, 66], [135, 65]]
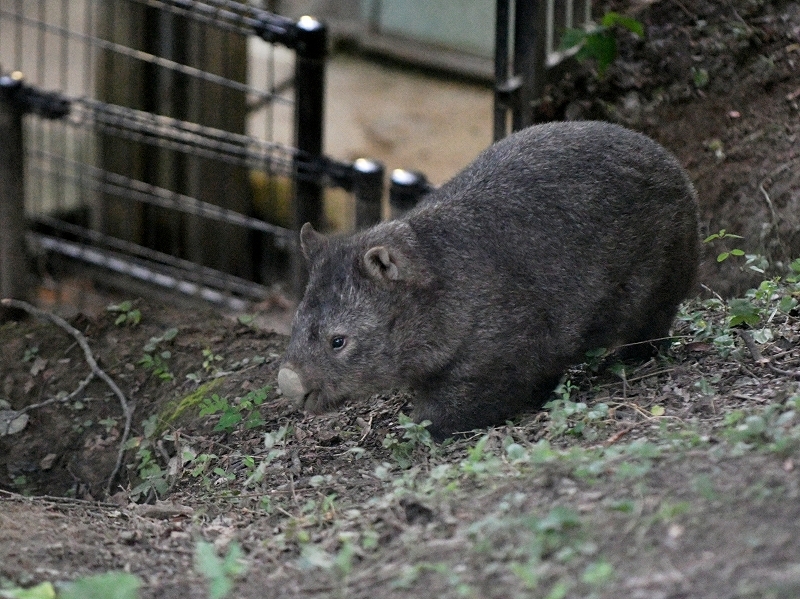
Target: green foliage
[[415, 436], [598, 41], [110, 585], [127, 314], [241, 409], [154, 480], [31, 354], [157, 361], [44, 590], [569, 417], [775, 427], [219, 571]]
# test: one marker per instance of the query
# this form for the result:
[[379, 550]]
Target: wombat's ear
[[383, 264], [311, 242]]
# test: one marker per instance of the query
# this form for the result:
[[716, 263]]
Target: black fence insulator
[[49, 105], [276, 29], [406, 189]]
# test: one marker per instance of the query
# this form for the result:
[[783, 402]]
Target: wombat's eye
[[338, 342]]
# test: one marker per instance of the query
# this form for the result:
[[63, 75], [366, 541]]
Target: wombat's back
[[576, 235]]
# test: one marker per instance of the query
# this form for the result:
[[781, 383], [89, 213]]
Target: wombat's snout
[[291, 385]]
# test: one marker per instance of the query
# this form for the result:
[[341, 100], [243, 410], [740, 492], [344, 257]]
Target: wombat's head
[[344, 339]]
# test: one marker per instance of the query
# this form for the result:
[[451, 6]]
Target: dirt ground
[[672, 479]]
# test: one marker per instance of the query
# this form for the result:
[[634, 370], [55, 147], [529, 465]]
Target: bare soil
[[678, 479]]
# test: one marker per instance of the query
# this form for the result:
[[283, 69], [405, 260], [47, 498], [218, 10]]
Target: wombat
[[560, 239]]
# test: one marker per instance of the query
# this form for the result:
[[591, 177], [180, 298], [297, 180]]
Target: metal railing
[[526, 45], [129, 165]]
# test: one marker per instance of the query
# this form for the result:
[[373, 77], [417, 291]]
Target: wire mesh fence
[[174, 141]]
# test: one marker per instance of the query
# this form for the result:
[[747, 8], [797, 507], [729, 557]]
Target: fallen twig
[[752, 347], [761, 360], [99, 372]]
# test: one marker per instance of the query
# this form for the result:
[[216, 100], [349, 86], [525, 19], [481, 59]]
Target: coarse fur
[[559, 239]]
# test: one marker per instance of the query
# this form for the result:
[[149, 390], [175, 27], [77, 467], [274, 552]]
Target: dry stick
[[773, 213], [761, 360], [99, 372], [752, 347], [81, 386]]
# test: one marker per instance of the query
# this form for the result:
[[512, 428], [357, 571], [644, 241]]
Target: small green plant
[[569, 417], [155, 360], [209, 359], [241, 409], [414, 437], [127, 314], [154, 479], [598, 41], [723, 234], [109, 585], [219, 571]]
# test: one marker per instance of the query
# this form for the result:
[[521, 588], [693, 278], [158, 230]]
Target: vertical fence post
[[530, 54], [501, 91], [309, 80], [368, 191], [13, 272], [519, 84]]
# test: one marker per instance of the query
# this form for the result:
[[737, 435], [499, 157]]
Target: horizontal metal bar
[[142, 56], [145, 193], [150, 272]]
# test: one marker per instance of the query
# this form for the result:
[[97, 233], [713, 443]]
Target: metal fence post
[[405, 190], [530, 55], [14, 279], [311, 46], [519, 84], [368, 191]]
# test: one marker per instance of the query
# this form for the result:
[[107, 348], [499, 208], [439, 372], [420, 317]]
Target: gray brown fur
[[557, 240]]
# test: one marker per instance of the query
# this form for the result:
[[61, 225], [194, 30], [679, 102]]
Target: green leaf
[[212, 567], [657, 410], [228, 421], [110, 585], [614, 18], [742, 311], [598, 573], [723, 256], [44, 590], [572, 38], [602, 46]]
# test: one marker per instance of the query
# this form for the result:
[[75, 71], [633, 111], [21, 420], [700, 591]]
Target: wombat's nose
[[290, 384]]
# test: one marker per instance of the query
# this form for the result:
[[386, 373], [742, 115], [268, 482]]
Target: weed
[[126, 314], [109, 585], [157, 361], [209, 359], [219, 571], [775, 427], [598, 41], [154, 480], [415, 437], [240, 409], [568, 417]]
